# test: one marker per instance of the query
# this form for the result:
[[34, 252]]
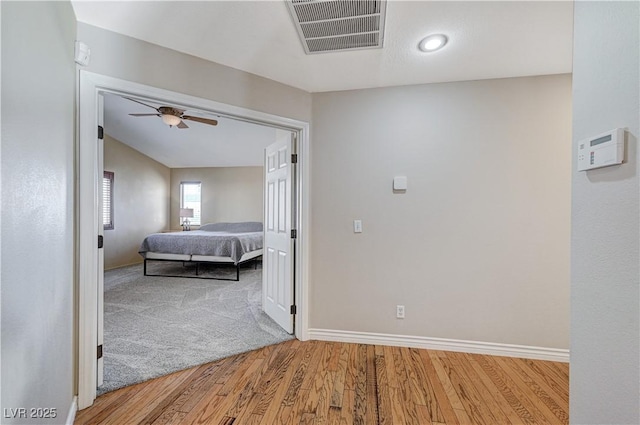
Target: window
[[190, 198], [107, 200]]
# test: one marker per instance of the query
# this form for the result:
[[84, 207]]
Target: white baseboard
[[73, 409], [475, 347]]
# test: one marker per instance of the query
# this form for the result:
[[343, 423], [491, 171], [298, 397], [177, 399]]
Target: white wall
[[229, 194], [605, 303], [37, 207], [478, 246], [130, 59], [141, 202]]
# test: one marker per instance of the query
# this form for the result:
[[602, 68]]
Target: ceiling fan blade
[[145, 115], [137, 101], [182, 125], [202, 120]]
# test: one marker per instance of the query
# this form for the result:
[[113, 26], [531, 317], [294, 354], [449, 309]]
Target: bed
[[216, 243]]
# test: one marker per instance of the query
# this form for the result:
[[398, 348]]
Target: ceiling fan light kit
[[171, 116], [170, 120]]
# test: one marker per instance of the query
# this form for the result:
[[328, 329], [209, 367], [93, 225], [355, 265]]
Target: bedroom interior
[[158, 318], [497, 52]]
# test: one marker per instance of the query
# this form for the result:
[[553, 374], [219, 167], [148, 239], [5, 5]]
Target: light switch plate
[[400, 183], [357, 226]]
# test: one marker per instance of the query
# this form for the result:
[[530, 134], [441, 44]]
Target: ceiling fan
[[172, 116]]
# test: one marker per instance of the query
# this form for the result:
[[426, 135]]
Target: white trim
[[73, 409], [475, 347], [90, 85], [87, 258], [303, 196]]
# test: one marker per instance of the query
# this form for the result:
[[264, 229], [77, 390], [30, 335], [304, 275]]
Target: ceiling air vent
[[338, 25]]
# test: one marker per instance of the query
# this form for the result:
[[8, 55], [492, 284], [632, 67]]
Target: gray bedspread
[[201, 242]]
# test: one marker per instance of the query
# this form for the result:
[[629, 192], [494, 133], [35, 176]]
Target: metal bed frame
[[197, 263]]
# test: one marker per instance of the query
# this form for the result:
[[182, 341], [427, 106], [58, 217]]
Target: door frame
[[90, 85]]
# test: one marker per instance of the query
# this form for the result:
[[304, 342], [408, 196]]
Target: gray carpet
[[157, 325]]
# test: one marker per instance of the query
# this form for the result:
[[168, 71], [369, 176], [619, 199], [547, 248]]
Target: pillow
[[242, 227]]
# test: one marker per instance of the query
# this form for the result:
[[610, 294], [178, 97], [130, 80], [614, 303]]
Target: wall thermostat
[[602, 150]]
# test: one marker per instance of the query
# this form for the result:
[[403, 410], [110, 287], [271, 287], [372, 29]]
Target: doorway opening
[[91, 87], [195, 185]]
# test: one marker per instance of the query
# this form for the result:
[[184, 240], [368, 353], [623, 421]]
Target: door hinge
[[100, 241], [294, 309], [100, 132], [294, 158], [100, 351], [294, 233]]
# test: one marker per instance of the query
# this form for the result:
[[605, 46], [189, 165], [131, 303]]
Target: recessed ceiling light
[[433, 42]]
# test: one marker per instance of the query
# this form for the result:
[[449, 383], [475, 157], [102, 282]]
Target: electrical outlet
[[400, 311]]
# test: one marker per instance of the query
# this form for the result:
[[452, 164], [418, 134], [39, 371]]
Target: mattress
[[204, 245]]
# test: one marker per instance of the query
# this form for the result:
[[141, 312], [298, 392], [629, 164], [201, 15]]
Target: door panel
[[282, 206], [277, 284], [271, 199]]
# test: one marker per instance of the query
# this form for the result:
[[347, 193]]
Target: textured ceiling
[[486, 40]]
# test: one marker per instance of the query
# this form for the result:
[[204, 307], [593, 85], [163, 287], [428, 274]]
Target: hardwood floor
[[317, 382]]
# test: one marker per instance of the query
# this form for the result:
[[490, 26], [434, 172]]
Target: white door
[[100, 368], [277, 273]]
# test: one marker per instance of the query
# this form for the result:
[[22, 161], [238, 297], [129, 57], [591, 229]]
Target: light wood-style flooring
[[318, 382]]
